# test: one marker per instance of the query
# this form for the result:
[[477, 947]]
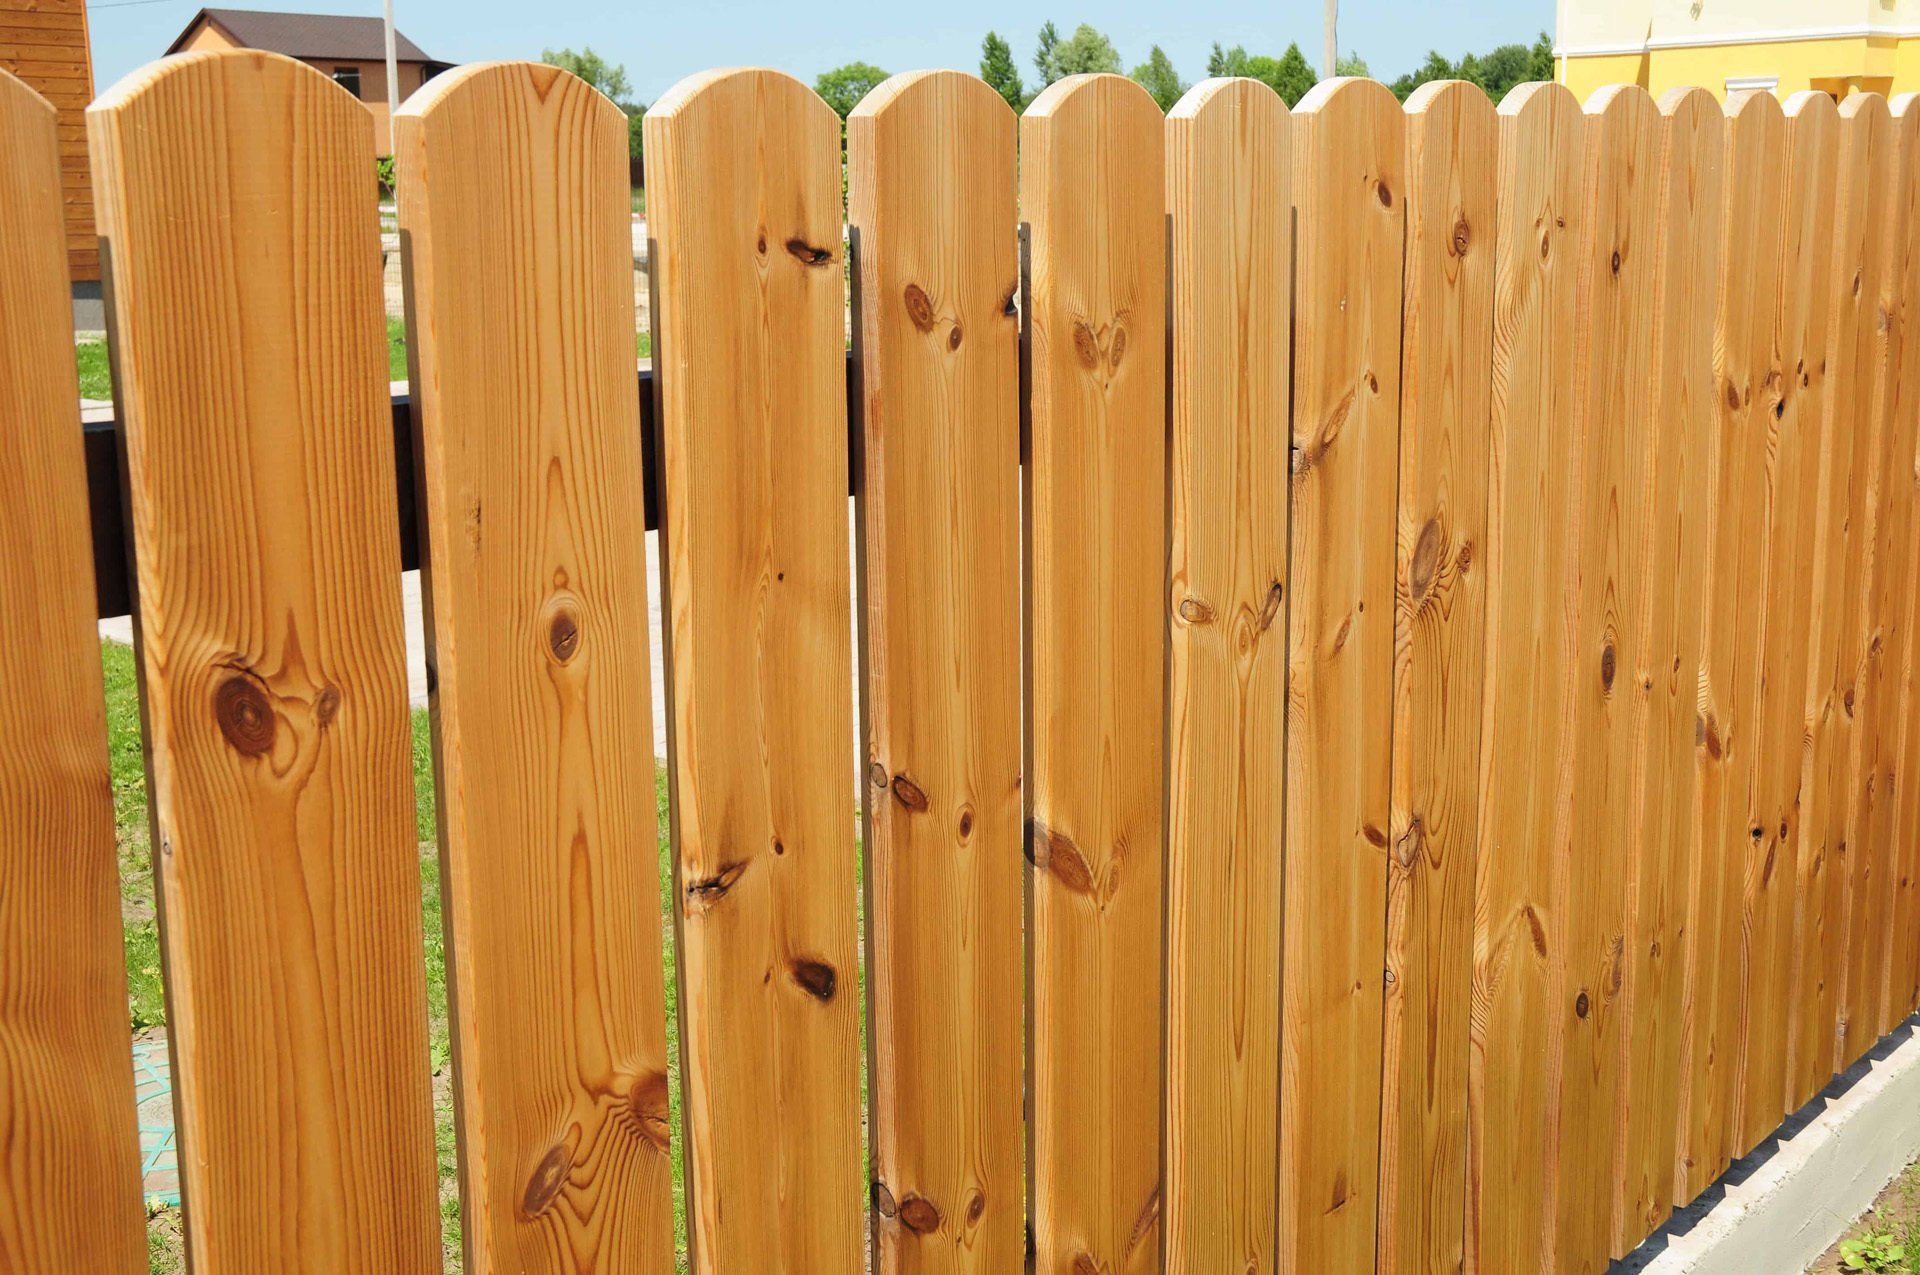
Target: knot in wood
[[816, 978], [245, 715], [919, 307], [919, 1215], [549, 1177]]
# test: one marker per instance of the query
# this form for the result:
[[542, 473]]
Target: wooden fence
[[1428, 589]]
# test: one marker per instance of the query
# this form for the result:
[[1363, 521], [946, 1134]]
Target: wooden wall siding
[[750, 347], [932, 204], [246, 283], [513, 184], [1679, 396], [1091, 158], [45, 44], [1349, 184], [1451, 859], [1231, 238], [1517, 926], [1439, 642], [69, 1158]]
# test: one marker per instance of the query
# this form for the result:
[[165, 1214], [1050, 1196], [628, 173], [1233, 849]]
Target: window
[[348, 78]]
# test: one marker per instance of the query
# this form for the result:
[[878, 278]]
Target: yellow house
[[1839, 46]]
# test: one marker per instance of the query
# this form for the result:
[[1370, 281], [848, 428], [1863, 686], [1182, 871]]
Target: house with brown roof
[[353, 51], [44, 42]]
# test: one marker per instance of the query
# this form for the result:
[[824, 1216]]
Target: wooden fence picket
[[1349, 192], [1230, 238], [1091, 173], [1807, 301], [243, 257], [69, 1158], [931, 187], [1903, 986], [1726, 734], [1528, 650], [1612, 426], [749, 347], [1679, 395], [1860, 353], [1440, 597], [513, 185]]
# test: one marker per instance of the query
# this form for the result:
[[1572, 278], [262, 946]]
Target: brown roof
[[308, 35]]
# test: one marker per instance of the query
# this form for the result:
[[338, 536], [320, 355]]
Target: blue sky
[[658, 43]]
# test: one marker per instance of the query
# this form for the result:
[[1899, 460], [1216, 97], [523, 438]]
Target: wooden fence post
[[1349, 195], [242, 252], [1091, 169], [514, 210], [749, 358], [69, 1156], [931, 188], [1903, 988], [1440, 596]]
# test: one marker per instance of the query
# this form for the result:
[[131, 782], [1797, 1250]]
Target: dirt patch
[[1888, 1235]]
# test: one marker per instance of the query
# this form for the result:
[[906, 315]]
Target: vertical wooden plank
[[1613, 337], [1725, 734], [243, 262], [1809, 301], [931, 187], [1903, 983], [1860, 342], [69, 1159], [1524, 743], [1091, 174], [1794, 412], [513, 185], [1891, 587], [749, 341], [1231, 236], [1446, 367], [1349, 191], [1679, 395]]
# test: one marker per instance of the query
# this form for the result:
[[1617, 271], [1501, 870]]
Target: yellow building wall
[[1875, 63]]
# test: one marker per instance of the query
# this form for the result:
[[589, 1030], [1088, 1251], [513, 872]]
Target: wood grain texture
[[1439, 656], [1230, 219], [1808, 300], [1903, 981], [45, 44], [1613, 439], [1349, 192], [1890, 589], [931, 188], [1090, 149], [69, 1157], [749, 339], [245, 280], [1679, 399], [1726, 735], [1524, 744], [1858, 362], [513, 181]]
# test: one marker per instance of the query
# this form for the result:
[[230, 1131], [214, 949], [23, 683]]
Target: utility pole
[[1331, 53], [393, 76]]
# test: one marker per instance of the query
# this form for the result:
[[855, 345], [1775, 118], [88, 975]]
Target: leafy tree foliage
[[1496, 72], [1157, 76], [1085, 52], [595, 70], [1351, 64], [998, 70], [844, 86]]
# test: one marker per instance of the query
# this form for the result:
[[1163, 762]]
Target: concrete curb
[[1780, 1208]]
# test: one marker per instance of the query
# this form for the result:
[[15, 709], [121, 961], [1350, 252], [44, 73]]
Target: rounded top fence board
[[69, 1159], [745, 213], [513, 187], [244, 264]]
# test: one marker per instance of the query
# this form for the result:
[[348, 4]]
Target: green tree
[[1351, 64], [1044, 47], [1157, 76], [595, 70], [1498, 71], [1290, 75], [844, 86], [1227, 61], [998, 70], [1085, 52]]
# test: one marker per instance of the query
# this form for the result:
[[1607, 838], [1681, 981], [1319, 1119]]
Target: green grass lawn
[[147, 1007], [96, 379]]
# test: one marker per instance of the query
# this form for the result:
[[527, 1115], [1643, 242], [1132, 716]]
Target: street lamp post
[[1330, 54], [393, 76]]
